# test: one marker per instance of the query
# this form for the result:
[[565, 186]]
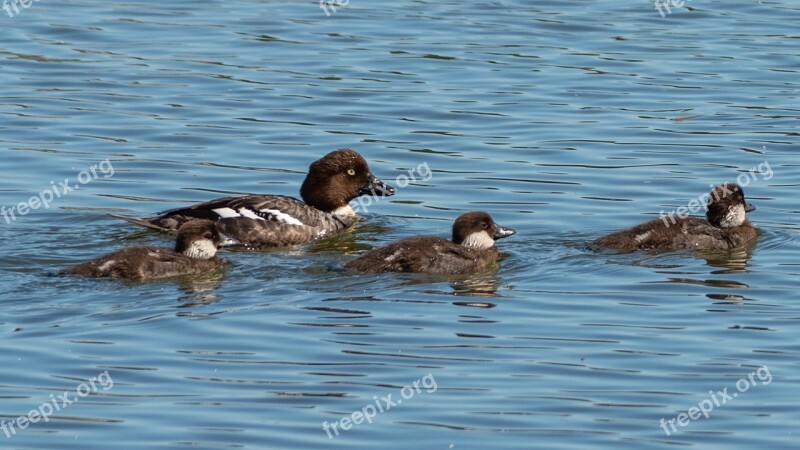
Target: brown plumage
[[194, 253], [277, 220], [725, 227], [471, 250]]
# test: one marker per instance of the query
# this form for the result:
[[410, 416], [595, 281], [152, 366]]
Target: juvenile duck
[[195, 251], [471, 250], [726, 226], [278, 220]]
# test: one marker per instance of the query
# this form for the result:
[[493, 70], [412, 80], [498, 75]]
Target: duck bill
[[377, 188], [501, 232], [227, 241], [749, 207]]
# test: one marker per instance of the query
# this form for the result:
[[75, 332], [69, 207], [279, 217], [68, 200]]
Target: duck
[[194, 253], [726, 226], [269, 221], [472, 249]]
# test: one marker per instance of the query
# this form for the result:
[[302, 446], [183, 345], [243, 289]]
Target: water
[[557, 118]]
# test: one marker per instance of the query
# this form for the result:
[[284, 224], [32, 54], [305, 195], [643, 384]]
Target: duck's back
[[257, 233], [709, 237], [261, 220], [425, 254], [142, 263], [680, 233]]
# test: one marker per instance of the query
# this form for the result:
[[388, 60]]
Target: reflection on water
[[731, 261], [482, 285], [199, 290]]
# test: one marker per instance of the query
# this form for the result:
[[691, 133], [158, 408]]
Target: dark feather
[[425, 254], [140, 263]]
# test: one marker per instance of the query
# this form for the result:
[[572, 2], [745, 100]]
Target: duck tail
[[147, 223]]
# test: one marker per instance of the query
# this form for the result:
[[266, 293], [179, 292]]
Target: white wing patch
[[107, 265], [265, 214], [642, 237], [281, 217], [225, 213], [393, 256], [244, 212]]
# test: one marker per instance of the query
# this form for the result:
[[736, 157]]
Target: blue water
[[564, 120]]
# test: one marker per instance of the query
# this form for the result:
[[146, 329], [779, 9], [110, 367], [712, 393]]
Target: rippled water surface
[[564, 120]]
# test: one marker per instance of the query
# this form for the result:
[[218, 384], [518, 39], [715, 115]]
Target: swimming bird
[[195, 252], [726, 226], [471, 250], [260, 221]]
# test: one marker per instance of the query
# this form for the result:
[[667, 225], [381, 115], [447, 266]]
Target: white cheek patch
[[201, 249], [734, 218], [274, 214], [479, 239]]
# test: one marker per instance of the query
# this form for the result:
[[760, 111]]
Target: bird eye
[[351, 172], [484, 225]]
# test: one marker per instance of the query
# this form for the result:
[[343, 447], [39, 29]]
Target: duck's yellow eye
[[351, 172]]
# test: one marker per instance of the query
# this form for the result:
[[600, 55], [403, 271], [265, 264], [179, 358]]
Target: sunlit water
[[558, 119]]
